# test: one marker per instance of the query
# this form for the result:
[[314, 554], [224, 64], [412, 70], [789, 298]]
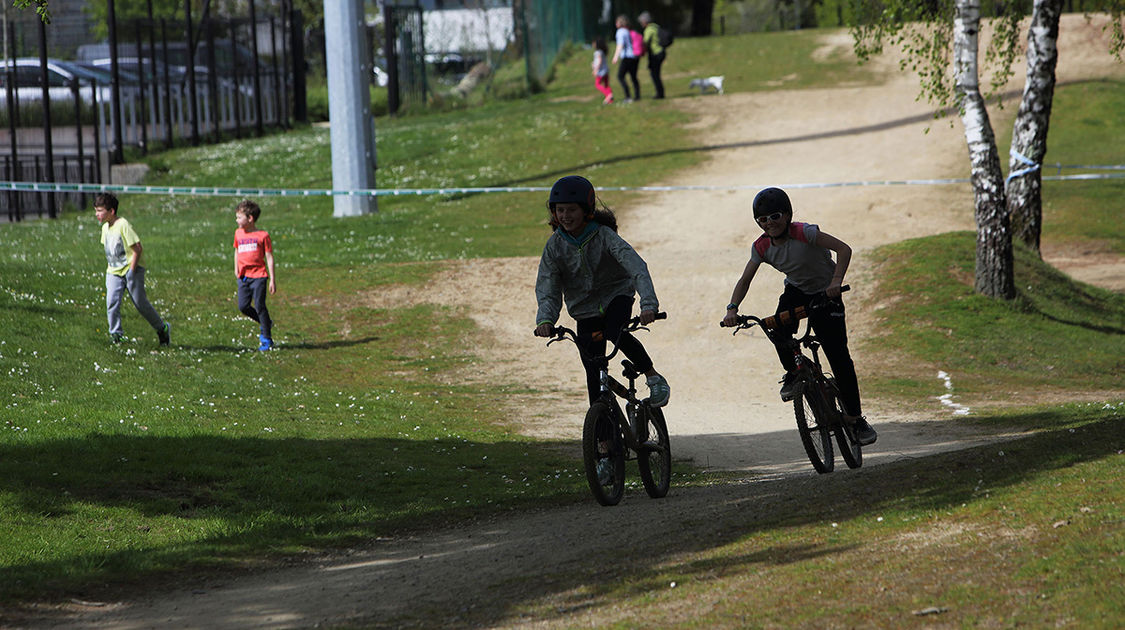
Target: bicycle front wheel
[[850, 449], [655, 456], [603, 454], [815, 434]]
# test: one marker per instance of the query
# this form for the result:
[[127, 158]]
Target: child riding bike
[[804, 254], [597, 273]]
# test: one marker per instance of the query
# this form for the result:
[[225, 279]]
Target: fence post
[[141, 86], [389, 37], [300, 66], [208, 26], [75, 91], [15, 212], [156, 101], [191, 76], [237, 109], [278, 94], [167, 86], [285, 16], [48, 136], [258, 123], [117, 155]]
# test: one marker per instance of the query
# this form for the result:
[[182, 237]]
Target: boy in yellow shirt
[[124, 270]]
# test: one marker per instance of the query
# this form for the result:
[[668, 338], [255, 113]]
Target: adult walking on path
[[626, 58], [650, 33]]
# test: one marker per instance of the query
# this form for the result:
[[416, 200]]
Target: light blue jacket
[[588, 272]]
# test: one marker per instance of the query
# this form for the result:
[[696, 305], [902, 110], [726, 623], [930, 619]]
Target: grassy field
[[124, 464]]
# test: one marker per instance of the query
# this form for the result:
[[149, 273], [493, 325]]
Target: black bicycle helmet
[[572, 189], [771, 200]]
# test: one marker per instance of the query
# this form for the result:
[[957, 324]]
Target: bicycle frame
[[815, 396], [611, 388]]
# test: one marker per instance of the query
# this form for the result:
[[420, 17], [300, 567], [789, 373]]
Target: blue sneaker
[[658, 391], [265, 343]]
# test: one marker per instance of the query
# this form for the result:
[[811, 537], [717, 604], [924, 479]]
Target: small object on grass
[[932, 610]]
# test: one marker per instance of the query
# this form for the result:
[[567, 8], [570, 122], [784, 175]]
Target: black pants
[[654, 63], [611, 322], [832, 331], [628, 67], [254, 289]]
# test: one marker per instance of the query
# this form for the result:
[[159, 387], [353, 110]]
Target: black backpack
[[664, 37]]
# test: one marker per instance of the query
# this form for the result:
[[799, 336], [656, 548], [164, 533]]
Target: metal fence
[[545, 26], [157, 82], [405, 50]]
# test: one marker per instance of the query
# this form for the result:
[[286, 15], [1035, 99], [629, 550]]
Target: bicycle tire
[[655, 463], [850, 450], [815, 435], [601, 440]]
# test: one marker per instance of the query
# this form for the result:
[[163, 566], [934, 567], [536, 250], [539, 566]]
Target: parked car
[[61, 76], [451, 63], [178, 54], [177, 75]]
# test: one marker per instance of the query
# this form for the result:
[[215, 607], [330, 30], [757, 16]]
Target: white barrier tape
[[203, 191]]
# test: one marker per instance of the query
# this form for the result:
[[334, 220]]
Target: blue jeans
[[115, 287], [254, 290]]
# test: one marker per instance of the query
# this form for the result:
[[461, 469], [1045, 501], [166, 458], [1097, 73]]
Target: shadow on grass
[[303, 345], [268, 496], [586, 570]]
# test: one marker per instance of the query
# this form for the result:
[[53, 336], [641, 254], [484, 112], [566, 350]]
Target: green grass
[[1021, 533], [1056, 336], [123, 463], [1083, 213], [994, 350]]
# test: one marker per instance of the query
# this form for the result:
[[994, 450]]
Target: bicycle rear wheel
[[850, 449], [815, 435], [655, 456], [603, 454]]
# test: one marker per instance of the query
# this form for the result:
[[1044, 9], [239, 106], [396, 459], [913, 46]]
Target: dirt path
[[724, 413]]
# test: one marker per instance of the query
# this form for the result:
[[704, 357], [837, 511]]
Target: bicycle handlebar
[[560, 333], [784, 317]]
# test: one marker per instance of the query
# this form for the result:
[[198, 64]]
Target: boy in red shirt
[[253, 266]]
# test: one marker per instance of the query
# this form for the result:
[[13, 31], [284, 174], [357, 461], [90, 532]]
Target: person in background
[[626, 58], [253, 267], [656, 52], [124, 270], [600, 67]]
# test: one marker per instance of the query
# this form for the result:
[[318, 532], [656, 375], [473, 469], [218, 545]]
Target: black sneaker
[[165, 334], [116, 337], [789, 389], [864, 433]]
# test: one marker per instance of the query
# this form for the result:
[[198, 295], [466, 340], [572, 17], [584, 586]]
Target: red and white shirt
[[250, 253]]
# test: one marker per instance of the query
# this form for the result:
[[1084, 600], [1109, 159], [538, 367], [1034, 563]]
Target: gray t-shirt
[[805, 264]]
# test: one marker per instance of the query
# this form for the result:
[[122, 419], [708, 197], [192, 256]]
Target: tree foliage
[[940, 39], [173, 10], [41, 8]]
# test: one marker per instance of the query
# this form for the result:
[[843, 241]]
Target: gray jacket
[[589, 275]]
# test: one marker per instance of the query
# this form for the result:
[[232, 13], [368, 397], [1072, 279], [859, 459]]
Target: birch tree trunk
[[994, 239], [1029, 134]]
